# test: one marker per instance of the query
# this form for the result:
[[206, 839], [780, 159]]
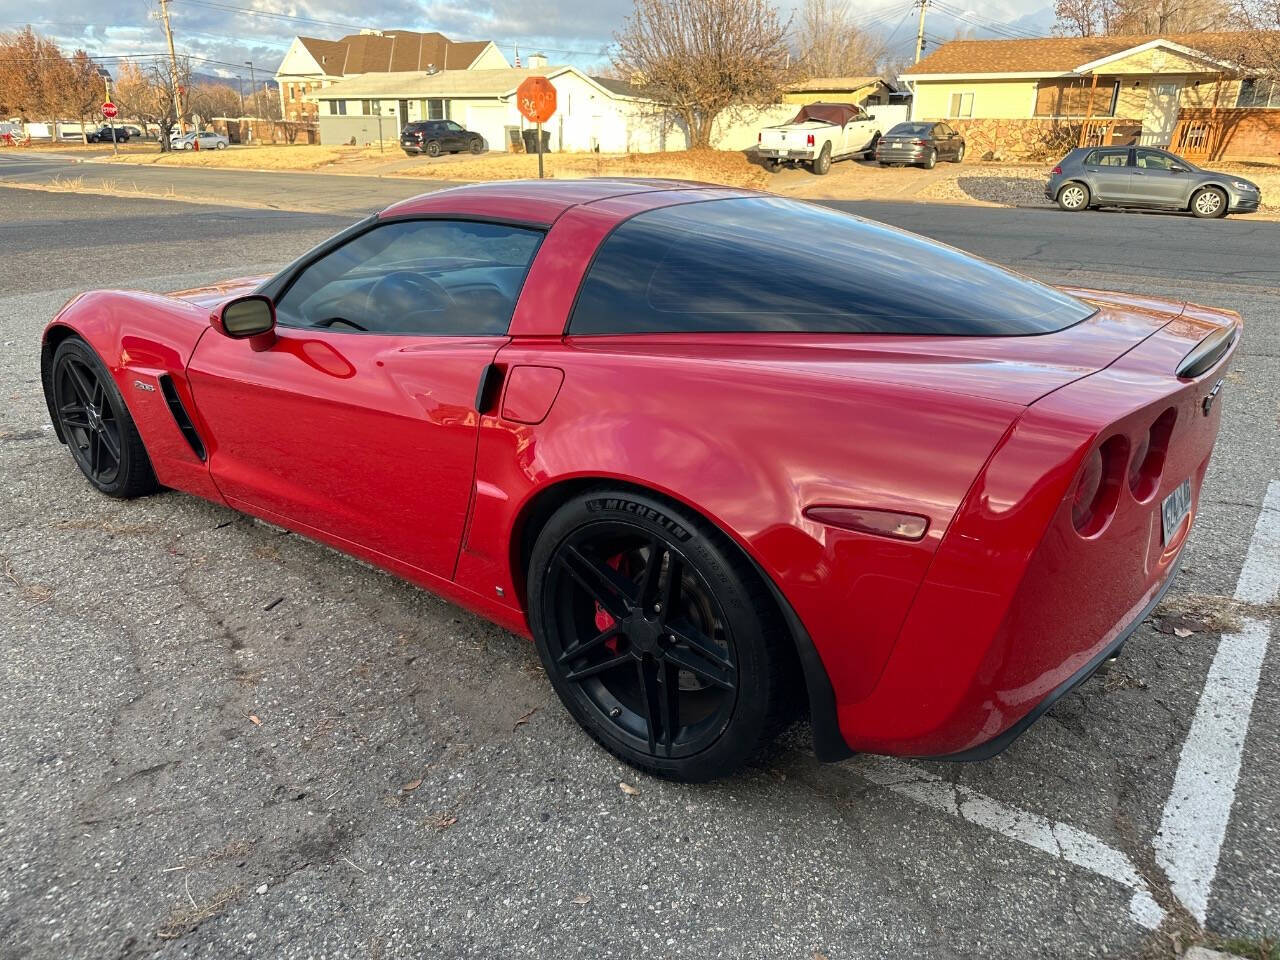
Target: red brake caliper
[[604, 620]]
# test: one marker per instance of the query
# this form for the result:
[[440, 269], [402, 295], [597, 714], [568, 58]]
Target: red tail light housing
[[809, 140], [1057, 170], [918, 143], [1098, 486], [1146, 462]]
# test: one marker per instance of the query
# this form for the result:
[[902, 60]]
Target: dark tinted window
[[768, 264], [1107, 158], [442, 277], [912, 130]]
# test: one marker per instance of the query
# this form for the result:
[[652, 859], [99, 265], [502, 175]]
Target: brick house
[[311, 63], [1036, 97]]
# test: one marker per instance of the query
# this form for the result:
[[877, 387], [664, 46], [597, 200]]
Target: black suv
[[434, 137]]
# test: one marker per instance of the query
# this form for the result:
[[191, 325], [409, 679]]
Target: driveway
[[221, 740]]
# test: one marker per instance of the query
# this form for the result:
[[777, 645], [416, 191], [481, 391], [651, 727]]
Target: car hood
[[217, 293]]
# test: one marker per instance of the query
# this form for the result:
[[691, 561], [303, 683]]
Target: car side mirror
[[246, 317]]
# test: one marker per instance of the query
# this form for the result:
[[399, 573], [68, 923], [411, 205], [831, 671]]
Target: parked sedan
[[105, 132], [599, 413], [434, 137], [920, 144], [207, 139], [1146, 177]]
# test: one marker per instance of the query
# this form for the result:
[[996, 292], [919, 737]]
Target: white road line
[[1057, 839], [1204, 787]]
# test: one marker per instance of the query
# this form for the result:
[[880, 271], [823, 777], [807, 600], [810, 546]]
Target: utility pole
[[173, 65], [920, 30], [253, 89]]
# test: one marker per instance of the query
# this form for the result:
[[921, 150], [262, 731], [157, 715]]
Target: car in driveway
[[818, 135], [1146, 177], [204, 140], [921, 144], [434, 137], [599, 413]]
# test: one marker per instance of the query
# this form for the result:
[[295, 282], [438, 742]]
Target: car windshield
[[769, 264], [911, 130]]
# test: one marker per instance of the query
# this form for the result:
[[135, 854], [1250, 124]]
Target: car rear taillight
[[1146, 464], [1098, 487], [883, 523], [809, 140], [1057, 170], [918, 143]]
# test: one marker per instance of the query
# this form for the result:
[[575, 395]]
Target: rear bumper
[[412, 147], [772, 153], [1018, 607], [985, 751], [902, 155]]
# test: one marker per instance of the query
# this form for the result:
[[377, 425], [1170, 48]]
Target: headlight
[[1243, 185]]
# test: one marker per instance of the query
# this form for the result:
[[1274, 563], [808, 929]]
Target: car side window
[[1154, 160], [437, 277], [1107, 158], [453, 127]]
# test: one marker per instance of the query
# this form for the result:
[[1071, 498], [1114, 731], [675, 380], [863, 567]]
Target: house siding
[[995, 99]]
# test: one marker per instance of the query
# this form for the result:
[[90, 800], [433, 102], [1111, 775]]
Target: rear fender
[[141, 338]]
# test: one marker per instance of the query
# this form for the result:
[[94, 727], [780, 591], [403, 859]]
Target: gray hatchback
[[1146, 177]]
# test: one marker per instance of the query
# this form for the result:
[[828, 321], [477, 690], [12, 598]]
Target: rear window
[[911, 130], [769, 264]]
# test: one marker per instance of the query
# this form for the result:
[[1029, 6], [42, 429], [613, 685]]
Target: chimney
[[537, 61]]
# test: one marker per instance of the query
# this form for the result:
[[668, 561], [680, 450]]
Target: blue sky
[[568, 31]]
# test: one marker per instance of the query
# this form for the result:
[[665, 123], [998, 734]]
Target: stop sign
[[536, 99], [109, 110]]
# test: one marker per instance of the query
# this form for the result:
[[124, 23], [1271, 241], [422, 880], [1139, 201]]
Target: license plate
[[1175, 508]]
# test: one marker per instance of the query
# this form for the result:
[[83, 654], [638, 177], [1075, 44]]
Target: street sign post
[[536, 101], [110, 112]]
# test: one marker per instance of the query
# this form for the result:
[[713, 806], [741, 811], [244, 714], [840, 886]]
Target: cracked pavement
[[221, 740]]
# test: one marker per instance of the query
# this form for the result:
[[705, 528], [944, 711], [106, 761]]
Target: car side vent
[[180, 416], [1207, 352]]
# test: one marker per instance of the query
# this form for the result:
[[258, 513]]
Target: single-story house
[[592, 113], [1182, 91], [864, 91], [312, 63]]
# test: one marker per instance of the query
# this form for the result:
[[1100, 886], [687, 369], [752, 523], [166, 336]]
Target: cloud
[[568, 31]]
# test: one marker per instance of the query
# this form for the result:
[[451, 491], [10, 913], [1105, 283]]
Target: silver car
[[1146, 177], [207, 139]]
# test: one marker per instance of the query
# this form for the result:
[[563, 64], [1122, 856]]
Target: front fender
[[141, 338]]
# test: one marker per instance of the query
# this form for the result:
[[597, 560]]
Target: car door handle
[[488, 389]]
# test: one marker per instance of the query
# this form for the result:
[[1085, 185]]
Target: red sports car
[[722, 455]]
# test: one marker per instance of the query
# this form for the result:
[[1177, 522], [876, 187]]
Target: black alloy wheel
[[433, 148], [96, 424], [677, 676]]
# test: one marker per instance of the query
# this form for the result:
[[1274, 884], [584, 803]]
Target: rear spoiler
[[1208, 352]]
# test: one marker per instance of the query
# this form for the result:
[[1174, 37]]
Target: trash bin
[[530, 137]]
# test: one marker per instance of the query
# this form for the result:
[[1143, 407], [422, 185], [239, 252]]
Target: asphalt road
[[218, 740]]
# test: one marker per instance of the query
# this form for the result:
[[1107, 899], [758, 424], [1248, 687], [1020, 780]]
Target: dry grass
[[296, 157], [710, 166]]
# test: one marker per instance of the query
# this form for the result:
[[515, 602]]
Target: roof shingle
[[392, 51], [1049, 55]]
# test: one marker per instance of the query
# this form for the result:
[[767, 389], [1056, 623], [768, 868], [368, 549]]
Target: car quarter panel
[[141, 337], [748, 438]]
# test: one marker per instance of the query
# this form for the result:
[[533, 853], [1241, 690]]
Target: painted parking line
[[1204, 787], [1195, 817], [1055, 838]]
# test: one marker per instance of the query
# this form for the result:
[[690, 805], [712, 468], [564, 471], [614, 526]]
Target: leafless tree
[[703, 57], [1086, 18], [213, 100], [830, 44], [147, 92], [1258, 46]]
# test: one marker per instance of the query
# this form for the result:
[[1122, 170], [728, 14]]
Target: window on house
[[1059, 98], [435, 109], [961, 105], [1259, 92], [337, 108]]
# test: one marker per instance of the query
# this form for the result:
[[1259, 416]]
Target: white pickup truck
[[819, 134]]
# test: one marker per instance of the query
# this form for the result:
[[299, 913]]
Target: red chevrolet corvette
[[722, 455]]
